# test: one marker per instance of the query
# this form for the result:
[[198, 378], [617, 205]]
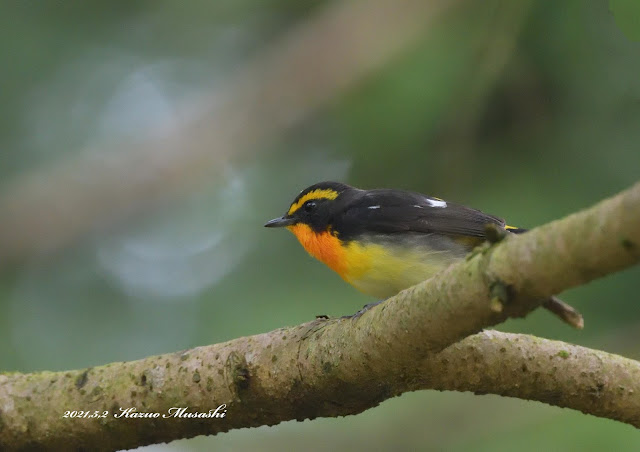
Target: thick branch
[[344, 366], [521, 366], [531, 368]]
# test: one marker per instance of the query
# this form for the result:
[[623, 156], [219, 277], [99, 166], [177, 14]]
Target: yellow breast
[[375, 269], [383, 271]]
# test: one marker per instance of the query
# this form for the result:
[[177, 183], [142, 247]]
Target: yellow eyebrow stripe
[[326, 193], [510, 227]]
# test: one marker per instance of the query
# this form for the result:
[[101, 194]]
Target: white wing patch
[[373, 207], [436, 202]]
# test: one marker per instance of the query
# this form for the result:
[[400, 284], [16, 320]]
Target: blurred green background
[[529, 110]]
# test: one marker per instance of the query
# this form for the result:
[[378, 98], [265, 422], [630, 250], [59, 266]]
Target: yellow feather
[[315, 194], [383, 271]]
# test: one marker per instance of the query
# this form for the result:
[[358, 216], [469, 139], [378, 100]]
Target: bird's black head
[[314, 206]]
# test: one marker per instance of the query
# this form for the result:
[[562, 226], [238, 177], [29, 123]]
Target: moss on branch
[[344, 366]]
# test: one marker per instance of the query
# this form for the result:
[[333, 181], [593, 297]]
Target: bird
[[382, 241]]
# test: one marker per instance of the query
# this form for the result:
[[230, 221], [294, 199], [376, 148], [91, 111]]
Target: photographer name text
[[132, 412]]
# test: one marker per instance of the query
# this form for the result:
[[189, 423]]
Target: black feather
[[391, 211]]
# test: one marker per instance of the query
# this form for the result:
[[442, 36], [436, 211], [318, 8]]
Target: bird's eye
[[309, 206]]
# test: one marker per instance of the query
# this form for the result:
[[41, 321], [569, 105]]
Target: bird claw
[[364, 309]]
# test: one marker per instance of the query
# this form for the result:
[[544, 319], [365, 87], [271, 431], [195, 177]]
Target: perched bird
[[383, 241]]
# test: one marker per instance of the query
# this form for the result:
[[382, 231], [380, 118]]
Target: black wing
[[389, 211]]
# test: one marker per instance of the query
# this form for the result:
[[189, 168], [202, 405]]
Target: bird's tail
[[515, 230]]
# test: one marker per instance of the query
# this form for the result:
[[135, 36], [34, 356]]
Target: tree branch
[[532, 368], [344, 366]]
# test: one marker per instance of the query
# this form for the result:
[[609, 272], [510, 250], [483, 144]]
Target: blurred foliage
[[529, 110], [627, 14]]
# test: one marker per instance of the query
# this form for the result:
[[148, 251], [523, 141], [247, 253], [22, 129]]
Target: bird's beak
[[279, 222]]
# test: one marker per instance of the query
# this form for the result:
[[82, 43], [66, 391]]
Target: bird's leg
[[364, 309]]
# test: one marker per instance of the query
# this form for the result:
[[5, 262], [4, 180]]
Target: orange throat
[[324, 246]]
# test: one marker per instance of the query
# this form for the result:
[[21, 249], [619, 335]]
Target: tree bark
[[343, 366]]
